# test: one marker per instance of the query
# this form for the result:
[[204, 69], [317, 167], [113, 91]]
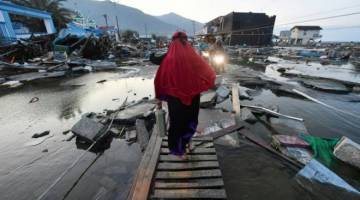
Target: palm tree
[[61, 16]]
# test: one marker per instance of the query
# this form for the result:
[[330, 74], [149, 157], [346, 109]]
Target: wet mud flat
[[107, 173], [30, 165]]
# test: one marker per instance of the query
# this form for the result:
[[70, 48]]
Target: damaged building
[[303, 35], [240, 28], [11, 29]]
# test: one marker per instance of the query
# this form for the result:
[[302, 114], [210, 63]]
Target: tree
[[61, 16], [130, 36]]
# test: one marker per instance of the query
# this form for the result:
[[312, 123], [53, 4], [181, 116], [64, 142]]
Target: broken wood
[[236, 102], [142, 133], [260, 142], [273, 112], [190, 194], [160, 116], [146, 169]]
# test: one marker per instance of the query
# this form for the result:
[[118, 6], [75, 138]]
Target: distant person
[[182, 76]]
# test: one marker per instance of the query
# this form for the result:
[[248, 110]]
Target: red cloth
[[183, 73]]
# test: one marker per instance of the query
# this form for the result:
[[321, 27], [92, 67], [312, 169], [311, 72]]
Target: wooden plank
[[204, 144], [190, 158], [227, 130], [188, 165], [160, 121], [147, 170], [204, 138], [142, 134], [236, 102], [260, 142], [194, 183], [190, 194], [194, 152], [213, 173], [143, 164]]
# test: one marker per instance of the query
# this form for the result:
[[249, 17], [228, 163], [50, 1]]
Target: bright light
[[205, 54], [219, 59]]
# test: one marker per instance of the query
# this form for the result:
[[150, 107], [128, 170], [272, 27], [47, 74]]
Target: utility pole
[[193, 23], [146, 30], [106, 19], [117, 25]]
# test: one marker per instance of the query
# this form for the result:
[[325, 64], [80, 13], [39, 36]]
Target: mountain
[[131, 18], [181, 23]]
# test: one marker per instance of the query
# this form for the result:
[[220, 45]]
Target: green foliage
[[61, 16]]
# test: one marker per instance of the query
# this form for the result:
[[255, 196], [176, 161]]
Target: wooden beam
[[253, 138], [160, 116], [194, 184], [142, 134], [196, 139], [190, 194], [146, 170], [227, 130], [236, 102], [190, 158], [213, 173], [194, 152], [188, 165]]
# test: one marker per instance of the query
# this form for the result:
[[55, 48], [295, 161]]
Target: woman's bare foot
[[183, 157], [190, 147]]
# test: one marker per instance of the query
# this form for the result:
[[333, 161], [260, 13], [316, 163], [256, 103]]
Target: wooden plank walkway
[[164, 176]]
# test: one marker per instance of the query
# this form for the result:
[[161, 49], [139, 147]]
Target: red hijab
[[183, 73]]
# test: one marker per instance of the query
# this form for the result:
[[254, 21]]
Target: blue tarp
[[73, 29], [309, 53]]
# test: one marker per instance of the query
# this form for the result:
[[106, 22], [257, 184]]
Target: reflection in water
[[102, 145]]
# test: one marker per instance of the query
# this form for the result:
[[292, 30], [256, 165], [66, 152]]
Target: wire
[[295, 22], [79, 158], [328, 11]]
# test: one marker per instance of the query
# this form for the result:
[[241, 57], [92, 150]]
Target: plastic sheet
[[321, 181]]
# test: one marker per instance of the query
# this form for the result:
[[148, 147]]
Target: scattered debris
[[142, 134], [131, 113], [273, 112], [66, 132], [289, 141], [208, 99], [348, 151], [102, 81], [88, 129], [34, 99], [318, 179], [131, 136], [246, 115], [37, 135]]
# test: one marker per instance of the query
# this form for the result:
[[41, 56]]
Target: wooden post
[[160, 122], [142, 134], [236, 102]]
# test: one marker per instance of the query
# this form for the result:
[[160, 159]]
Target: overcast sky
[[285, 10]]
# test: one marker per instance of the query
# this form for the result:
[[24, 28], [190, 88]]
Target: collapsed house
[[239, 28]]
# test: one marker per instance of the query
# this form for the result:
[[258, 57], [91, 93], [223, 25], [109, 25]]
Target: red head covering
[[183, 73]]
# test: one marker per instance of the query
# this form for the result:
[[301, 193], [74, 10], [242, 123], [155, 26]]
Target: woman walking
[[181, 77]]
